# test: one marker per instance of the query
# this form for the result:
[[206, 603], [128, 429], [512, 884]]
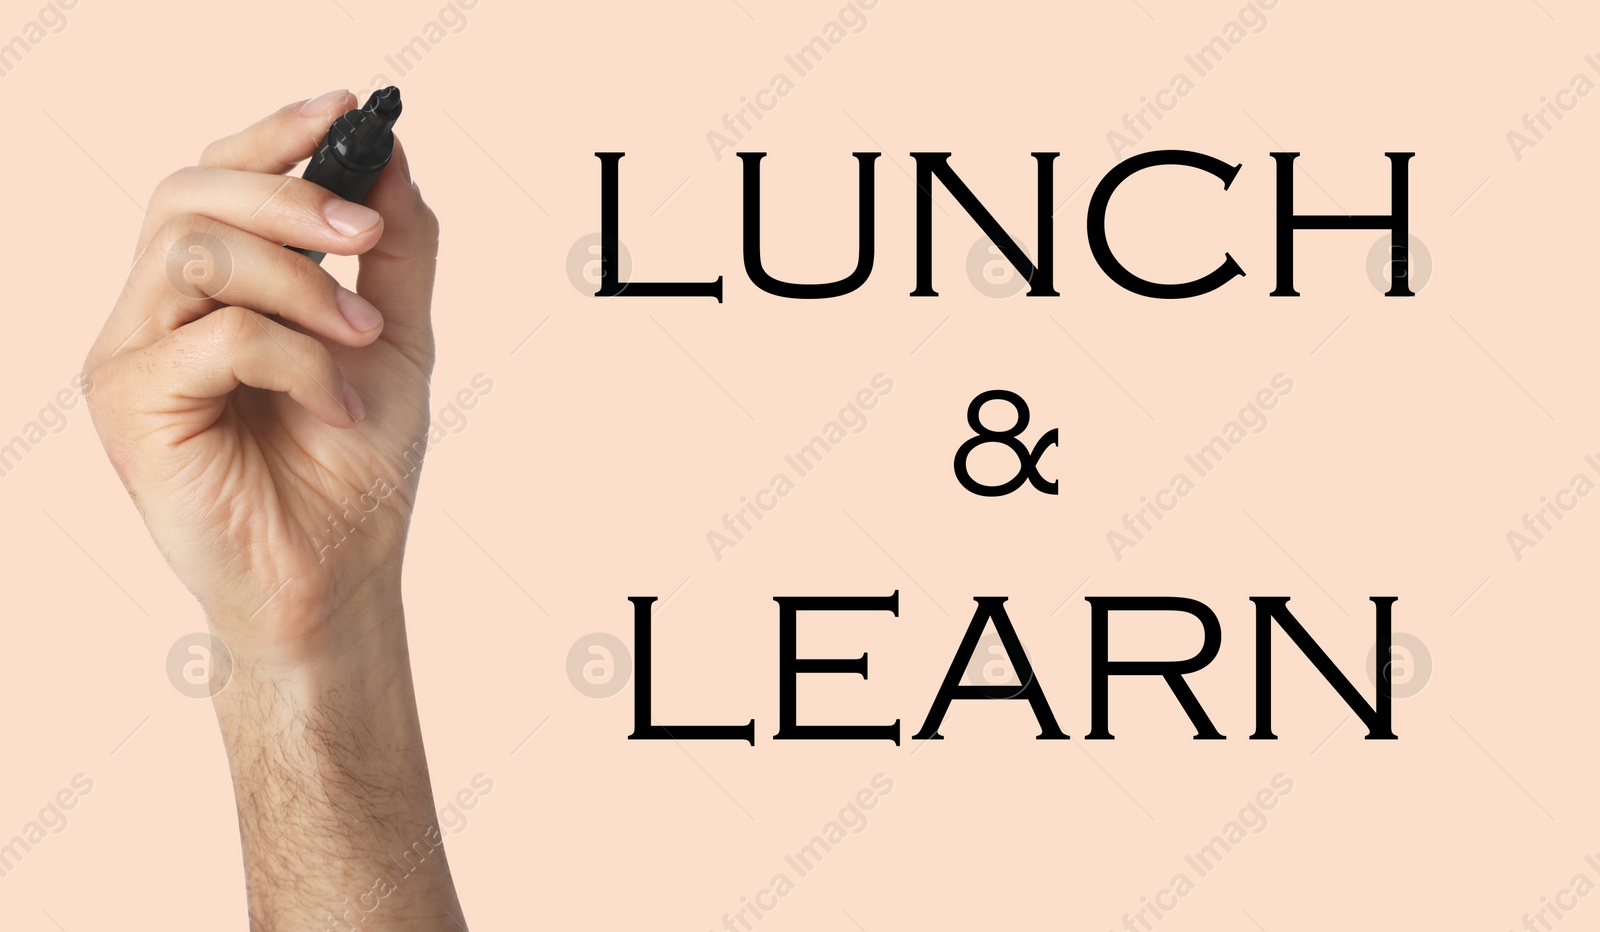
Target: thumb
[[397, 273]]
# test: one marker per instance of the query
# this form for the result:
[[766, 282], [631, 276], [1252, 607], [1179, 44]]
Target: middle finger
[[195, 264]]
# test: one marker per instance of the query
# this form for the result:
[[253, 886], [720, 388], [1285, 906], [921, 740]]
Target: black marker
[[354, 152]]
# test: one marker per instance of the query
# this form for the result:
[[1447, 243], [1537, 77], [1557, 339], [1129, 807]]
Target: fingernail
[[352, 403], [322, 104], [350, 218], [357, 311]]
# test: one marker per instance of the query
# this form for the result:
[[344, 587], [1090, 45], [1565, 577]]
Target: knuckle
[[192, 252], [234, 326], [307, 280], [428, 224], [162, 240], [95, 397], [104, 395], [169, 189], [304, 194], [186, 225], [297, 203], [215, 150]]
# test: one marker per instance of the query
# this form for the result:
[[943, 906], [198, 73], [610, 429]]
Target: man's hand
[[249, 401], [269, 425]]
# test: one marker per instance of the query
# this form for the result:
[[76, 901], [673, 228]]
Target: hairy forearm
[[336, 813]]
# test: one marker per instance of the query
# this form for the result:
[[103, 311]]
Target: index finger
[[282, 140]]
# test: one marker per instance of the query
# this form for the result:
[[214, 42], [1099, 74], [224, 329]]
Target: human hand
[[269, 425], [254, 408]]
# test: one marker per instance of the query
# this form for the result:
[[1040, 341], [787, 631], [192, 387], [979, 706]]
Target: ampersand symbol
[[1027, 460]]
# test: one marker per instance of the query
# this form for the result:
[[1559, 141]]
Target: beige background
[[1417, 434]]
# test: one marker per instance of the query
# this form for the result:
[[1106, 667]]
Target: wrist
[[307, 628], [313, 669], [326, 744]]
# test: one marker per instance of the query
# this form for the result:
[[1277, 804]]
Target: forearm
[[336, 812]]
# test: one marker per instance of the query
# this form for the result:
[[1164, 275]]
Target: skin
[[248, 403]]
